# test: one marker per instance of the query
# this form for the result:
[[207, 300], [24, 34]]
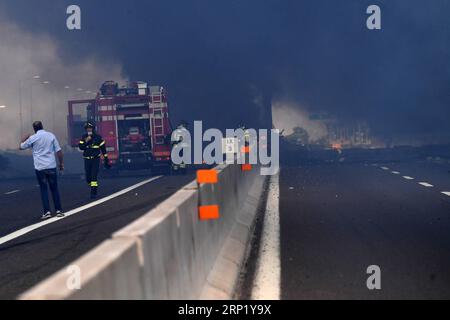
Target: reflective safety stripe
[[105, 155], [102, 144], [95, 147], [94, 184], [207, 176], [245, 149], [209, 212], [90, 158], [81, 142]]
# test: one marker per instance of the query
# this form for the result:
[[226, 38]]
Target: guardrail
[[169, 253]]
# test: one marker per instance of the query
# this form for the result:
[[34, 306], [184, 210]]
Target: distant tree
[[299, 136]]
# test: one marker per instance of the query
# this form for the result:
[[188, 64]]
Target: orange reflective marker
[[245, 149], [209, 212], [207, 176], [246, 167], [207, 205]]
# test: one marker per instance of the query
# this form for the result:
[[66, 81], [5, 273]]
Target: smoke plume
[[25, 56]]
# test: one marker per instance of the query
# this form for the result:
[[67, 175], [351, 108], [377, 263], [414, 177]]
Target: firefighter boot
[[94, 190]]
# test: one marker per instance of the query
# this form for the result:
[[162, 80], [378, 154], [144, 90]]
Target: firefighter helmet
[[182, 125], [89, 125]]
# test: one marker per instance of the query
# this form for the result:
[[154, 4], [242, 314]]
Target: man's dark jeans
[[49, 177]]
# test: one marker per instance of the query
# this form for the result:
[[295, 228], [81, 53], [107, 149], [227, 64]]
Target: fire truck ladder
[[158, 117]]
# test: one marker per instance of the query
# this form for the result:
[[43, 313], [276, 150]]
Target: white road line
[[395, 172], [385, 168], [408, 178], [266, 285], [12, 192], [447, 193], [39, 225], [426, 184]]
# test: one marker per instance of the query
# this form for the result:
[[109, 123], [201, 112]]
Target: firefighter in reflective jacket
[[245, 141], [93, 147], [177, 141], [244, 144]]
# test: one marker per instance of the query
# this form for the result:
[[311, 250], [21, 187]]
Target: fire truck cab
[[133, 120]]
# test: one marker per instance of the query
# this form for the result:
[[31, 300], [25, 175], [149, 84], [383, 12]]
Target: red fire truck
[[133, 120]]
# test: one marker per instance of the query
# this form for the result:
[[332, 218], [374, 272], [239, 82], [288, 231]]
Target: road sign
[[230, 145]]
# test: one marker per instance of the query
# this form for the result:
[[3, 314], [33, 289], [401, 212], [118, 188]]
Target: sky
[[228, 62]]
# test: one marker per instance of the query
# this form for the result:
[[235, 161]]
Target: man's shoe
[[46, 216], [60, 214]]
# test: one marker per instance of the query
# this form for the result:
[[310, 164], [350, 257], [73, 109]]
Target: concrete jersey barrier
[[169, 253]]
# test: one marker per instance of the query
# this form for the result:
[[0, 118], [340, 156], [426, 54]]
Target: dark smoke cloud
[[24, 57], [224, 61]]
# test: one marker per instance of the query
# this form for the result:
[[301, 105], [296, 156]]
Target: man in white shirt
[[45, 146]]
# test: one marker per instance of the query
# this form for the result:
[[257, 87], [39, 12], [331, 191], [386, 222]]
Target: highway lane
[[14, 184], [435, 173], [31, 258], [336, 220], [20, 203]]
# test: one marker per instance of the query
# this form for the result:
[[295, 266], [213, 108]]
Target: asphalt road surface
[[337, 219], [29, 259]]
